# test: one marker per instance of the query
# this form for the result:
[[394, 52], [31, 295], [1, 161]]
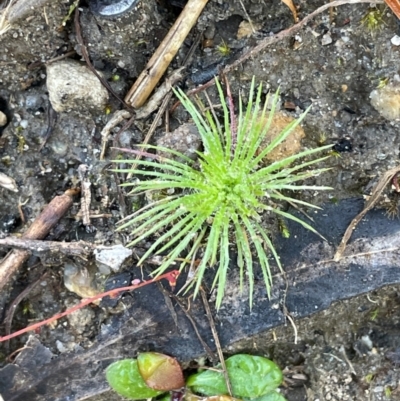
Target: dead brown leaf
[[293, 9]]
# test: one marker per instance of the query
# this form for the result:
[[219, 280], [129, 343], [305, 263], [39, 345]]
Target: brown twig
[[376, 193], [165, 53], [168, 303], [13, 306], [67, 248], [194, 325], [290, 31], [394, 6], [86, 195], [170, 276], [216, 339], [117, 118], [42, 225]]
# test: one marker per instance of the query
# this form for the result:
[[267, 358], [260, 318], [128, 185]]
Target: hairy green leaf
[[250, 376], [124, 377]]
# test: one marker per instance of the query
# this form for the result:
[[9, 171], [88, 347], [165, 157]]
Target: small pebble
[[72, 86], [80, 281], [326, 39], [185, 139], [290, 146], [395, 40], [81, 318], [111, 258], [386, 101], [3, 119]]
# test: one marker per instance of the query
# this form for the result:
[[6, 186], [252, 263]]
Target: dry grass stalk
[[165, 53]]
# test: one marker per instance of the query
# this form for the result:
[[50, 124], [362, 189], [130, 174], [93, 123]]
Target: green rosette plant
[[219, 201]]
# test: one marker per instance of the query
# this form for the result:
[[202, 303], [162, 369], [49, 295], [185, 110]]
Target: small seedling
[[373, 20], [224, 49], [369, 377], [283, 228], [107, 109], [322, 139], [374, 314], [382, 82]]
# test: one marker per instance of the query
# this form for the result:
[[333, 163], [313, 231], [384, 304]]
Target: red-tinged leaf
[[160, 372]]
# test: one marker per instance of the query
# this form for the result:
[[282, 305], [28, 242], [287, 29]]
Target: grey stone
[[72, 86]]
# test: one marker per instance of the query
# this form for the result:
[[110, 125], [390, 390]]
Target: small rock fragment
[[81, 281], [3, 119], [290, 146], [80, 319], [395, 41], [8, 182], [111, 258], [185, 139], [247, 29], [386, 100], [72, 86], [326, 39]]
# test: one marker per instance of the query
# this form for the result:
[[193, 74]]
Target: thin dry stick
[[86, 194], [168, 303], [117, 118], [394, 6], [170, 276], [151, 130], [52, 213], [165, 53], [376, 193], [194, 325], [4, 14], [38, 246], [247, 16], [216, 339], [13, 306]]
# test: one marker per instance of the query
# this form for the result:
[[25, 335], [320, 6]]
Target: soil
[[346, 314]]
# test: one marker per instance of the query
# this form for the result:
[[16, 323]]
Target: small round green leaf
[[250, 377], [124, 377]]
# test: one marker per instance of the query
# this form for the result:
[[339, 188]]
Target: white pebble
[[395, 40]]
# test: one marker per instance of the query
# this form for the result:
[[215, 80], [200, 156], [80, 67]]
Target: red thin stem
[[170, 276]]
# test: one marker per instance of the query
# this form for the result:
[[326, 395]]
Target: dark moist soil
[[346, 314]]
